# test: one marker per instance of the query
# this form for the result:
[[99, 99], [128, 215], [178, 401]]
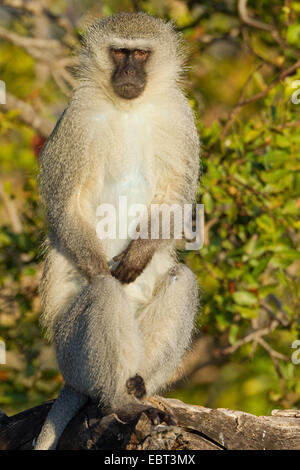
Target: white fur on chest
[[127, 167], [124, 141]]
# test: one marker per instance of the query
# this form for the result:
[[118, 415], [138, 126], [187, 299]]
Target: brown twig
[[270, 350], [28, 115], [31, 7], [257, 96], [254, 23], [25, 42], [287, 125], [246, 18], [10, 210], [48, 51], [37, 8], [253, 336]]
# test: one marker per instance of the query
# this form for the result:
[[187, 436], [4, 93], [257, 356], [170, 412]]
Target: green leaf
[[233, 333], [208, 203], [293, 34], [261, 266], [246, 312], [268, 289], [244, 297]]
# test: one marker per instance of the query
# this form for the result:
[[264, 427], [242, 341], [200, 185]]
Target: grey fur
[[106, 330]]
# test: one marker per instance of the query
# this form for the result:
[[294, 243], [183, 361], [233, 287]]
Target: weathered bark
[[197, 428]]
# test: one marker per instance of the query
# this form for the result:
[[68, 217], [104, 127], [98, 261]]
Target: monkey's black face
[[129, 77]]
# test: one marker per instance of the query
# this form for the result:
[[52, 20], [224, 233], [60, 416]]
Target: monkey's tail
[[63, 409]]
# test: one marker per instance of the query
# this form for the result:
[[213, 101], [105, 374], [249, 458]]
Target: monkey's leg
[[64, 408], [98, 348], [98, 343], [166, 324]]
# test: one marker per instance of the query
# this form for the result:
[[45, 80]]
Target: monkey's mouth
[[129, 90]]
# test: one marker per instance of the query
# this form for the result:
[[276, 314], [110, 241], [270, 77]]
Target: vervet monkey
[[120, 312]]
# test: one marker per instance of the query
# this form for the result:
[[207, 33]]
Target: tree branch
[[25, 42], [31, 7], [253, 23], [197, 428], [11, 213], [246, 18], [28, 115], [258, 96]]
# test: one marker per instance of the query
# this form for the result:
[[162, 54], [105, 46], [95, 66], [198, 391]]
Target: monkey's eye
[[118, 54], [141, 55]]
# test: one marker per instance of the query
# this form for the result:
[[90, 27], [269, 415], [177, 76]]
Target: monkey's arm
[[66, 164]]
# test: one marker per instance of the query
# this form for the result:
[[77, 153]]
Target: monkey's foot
[[136, 386], [158, 416], [133, 411]]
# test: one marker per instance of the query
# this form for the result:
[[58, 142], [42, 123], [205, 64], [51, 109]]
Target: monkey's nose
[[130, 72]]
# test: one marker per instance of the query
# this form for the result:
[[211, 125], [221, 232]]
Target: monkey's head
[[129, 55]]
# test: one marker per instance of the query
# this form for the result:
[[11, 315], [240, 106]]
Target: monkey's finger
[[120, 273], [158, 416], [116, 274], [118, 269], [156, 420], [129, 277], [169, 419], [124, 274], [125, 278], [153, 415], [119, 257]]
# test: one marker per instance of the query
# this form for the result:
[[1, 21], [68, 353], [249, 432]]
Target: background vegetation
[[244, 59]]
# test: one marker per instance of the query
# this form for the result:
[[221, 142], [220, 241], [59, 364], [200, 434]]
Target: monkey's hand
[[133, 260]]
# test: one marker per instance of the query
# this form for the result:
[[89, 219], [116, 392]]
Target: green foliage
[[26, 379], [250, 188], [249, 266]]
